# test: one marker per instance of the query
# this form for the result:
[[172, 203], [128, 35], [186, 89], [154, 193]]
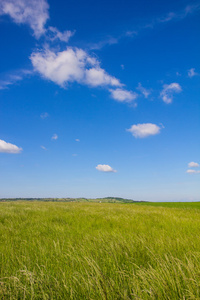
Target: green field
[[83, 250]]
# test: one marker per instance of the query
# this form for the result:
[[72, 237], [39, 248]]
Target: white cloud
[[193, 164], [71, 65], [44, 148], [9, 148], [99, 77], [77, 140], [144, 130], [144, 91], [54, 136], [169, 90], [122, 95], [192, 73], [105, 168], [31, 12], [61, 67], [54, 34], [190, 171], [44, 115]]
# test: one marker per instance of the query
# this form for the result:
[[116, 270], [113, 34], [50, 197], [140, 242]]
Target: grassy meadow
[[83, 250]]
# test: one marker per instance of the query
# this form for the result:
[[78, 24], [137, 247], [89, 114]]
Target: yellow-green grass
[[98, 251]]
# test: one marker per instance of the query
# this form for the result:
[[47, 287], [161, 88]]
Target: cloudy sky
[[100, 98]]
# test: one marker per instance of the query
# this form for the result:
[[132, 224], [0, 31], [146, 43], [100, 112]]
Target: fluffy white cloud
[[192, 73], [54, 136], [169, 90], [190, 171], [31, 12], [144, 130], [105, 168], [193, 164], [122, 95], [9, 148], [71, 65], [61, 67], [99, 77], [144, 91]]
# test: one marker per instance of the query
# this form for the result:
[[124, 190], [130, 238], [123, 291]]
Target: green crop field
[[83, 250]]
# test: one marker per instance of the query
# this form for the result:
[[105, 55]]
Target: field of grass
[[58, 250], [185, 205]]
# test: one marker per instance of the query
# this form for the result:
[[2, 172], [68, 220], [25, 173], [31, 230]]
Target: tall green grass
[[98, 251]]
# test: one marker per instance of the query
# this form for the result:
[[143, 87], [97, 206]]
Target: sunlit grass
[[98, 251]]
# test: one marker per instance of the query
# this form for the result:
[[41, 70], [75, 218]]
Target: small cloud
[[9, 148], [44, 148], [55, 34], [178, 74], [144, 91], [169, 90], [190, 171], [192, 73], [122, 66], [105, 168], [122, 95], [54, 137], [106, 42], [170, 16], [77, 140], [131, 33], [193, 164], [144, 130], [44, 115]]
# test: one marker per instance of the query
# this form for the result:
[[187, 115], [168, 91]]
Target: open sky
[[100, 98]]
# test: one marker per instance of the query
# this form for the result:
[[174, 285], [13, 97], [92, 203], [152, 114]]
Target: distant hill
[[97, 200]]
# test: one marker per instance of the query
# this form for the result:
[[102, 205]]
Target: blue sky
[[100, 99]]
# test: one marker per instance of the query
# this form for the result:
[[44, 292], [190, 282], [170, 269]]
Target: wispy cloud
[[13, 78], [54, 34], [192, 73], [108, 41], [77, 140], [44, 115], [143, 90], [190, 171], [105, 168], [144, 130], [54, 136], [175, 16], [9, 148], [152, 24], [44, 148], [168, 91]]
